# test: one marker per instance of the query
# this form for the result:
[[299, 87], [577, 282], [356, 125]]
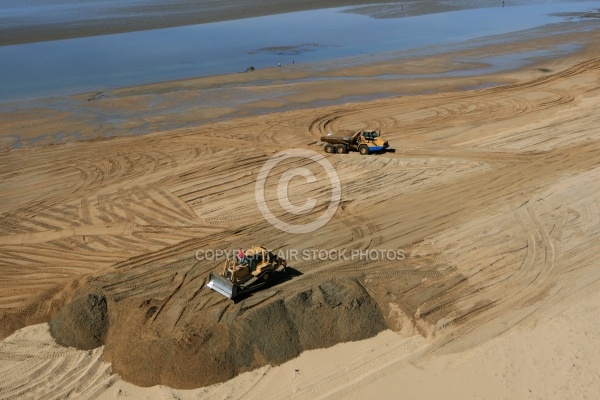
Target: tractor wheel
[[364, 150], [341, 149], [329, 148]]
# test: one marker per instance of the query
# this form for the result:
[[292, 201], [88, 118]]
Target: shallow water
[[86, 64]]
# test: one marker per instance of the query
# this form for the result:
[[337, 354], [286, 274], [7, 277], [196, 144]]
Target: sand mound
[[217, 343], [82, 324]]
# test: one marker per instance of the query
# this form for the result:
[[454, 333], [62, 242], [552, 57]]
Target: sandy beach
[[489, 206]]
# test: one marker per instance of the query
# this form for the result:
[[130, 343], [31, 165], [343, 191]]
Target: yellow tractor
[[365, 142], [250, 273]]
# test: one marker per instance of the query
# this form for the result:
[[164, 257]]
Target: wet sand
[[165, 106], [82, 20]]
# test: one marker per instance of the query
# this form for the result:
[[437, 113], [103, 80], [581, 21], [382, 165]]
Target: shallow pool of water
[[86, 64]]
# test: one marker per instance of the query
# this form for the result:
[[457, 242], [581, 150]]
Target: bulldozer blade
[[222, 285]]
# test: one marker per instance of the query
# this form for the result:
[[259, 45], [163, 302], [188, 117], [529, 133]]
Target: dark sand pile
[[161, 324], [82, 324], [218, 342]]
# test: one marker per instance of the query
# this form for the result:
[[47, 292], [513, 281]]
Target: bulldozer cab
[[257, 259], [236, 273]]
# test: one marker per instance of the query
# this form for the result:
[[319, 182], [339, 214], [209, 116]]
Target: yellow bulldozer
[[252, 272]]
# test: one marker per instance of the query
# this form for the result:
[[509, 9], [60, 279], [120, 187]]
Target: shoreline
[[187, 103], [182, 13], [51, 69]]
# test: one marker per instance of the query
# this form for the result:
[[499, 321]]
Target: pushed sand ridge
[[218, 339]]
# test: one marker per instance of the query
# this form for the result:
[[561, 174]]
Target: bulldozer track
[[64, 369], [526, 283]]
